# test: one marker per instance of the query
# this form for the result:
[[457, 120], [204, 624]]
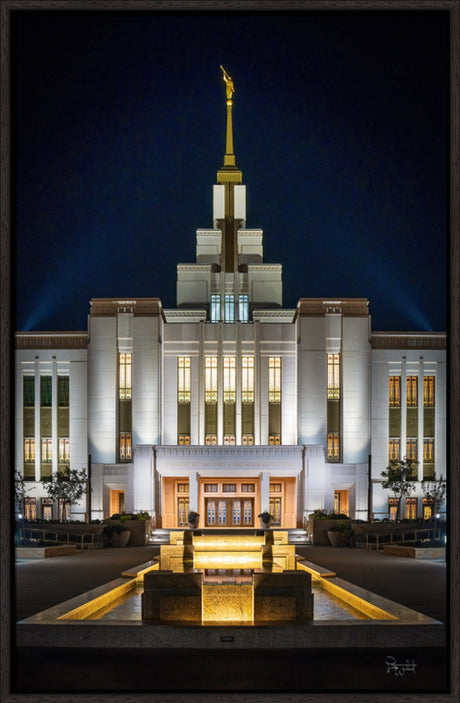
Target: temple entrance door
[[229, 512]]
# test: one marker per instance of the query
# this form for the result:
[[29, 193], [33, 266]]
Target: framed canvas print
[[230, 316]]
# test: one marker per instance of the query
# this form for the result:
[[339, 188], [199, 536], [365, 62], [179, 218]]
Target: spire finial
[[229, 158]]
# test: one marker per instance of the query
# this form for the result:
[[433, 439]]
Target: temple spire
[[229, 158]]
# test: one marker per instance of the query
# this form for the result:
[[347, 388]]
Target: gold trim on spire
[[229, 171]]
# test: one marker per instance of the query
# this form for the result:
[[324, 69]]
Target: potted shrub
[[339, 535], [118, 535], [266, 519], [193, 520]]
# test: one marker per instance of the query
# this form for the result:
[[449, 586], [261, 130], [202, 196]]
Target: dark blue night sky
[[340, 129]]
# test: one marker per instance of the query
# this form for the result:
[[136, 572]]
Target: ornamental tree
[[20, 491], [434, 491], [399, 477], [69, 485]]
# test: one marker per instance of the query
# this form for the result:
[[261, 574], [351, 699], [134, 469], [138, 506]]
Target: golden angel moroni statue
[[228, 84]]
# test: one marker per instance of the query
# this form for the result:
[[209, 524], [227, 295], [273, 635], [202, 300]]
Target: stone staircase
[[161, 536]]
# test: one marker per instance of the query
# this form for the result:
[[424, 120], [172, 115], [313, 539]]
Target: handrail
[[413, 532]]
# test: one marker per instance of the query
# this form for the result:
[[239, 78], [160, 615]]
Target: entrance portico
[[229, 487]]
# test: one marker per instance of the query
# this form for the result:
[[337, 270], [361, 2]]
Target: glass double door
[[229, 512]]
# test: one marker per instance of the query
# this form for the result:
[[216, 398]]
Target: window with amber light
[[183, 379], [411, 391], [125, 446], [394, 386], [428, 391], [210, 379], [333, 446], [274, 379], [29, 449], [393, 449], [333, 376], [428, 450], [247, 379], [229, 379], [125, 373], [47, 450], [64, 449], [411, 449]]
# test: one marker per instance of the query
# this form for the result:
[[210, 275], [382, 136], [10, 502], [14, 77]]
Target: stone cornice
[[51, 340], [348, 307], [107, 307], [408, 340], [273, 315], [185, 315]]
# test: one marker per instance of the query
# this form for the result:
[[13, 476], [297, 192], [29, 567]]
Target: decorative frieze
[[349, 307], [405, 340], [52, 340], [103, 307]]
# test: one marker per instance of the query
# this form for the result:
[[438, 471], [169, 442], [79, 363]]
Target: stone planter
[[318, 529], [338, 538], [120, 539]]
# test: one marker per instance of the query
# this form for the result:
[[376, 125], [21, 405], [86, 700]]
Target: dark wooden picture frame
[[8, 8]]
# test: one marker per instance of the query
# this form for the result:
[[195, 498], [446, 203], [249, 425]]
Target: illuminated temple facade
[[230, 404]]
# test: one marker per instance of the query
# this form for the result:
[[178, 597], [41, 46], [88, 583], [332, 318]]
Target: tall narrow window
[[29, 450], [64, 449], [428, 391], [394, 387], [411, 508], [215, 308], [411, 449], [274, 379], [125, 376], [63, 391], [211, 379], [229, 379], [125, 446], [229, 308], [45, 391], [333, 376], [247, 379], [47, 450], [333, 446], [411, 391], [243, 308], [428, 450], [29, 391], [393, 449], [183, 379]]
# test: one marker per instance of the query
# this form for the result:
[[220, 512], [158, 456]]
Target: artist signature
[[399, 669]]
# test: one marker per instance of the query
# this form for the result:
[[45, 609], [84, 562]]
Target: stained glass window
[[428, 450], [333, 447], [411, 508], [47, 450], [247, 379], [229, 379], [125, 361], [275, 510], [222, 512], [333, 376], [125, 446], [411, 388], [64, 449], [211, 379], [182, 511], [274, 379], [236, 512], [393, 449], [247, 440], [411, 449], [29, 449], [394, 386], [247, 512], [428, 391], [183, 379], [211, 512]]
